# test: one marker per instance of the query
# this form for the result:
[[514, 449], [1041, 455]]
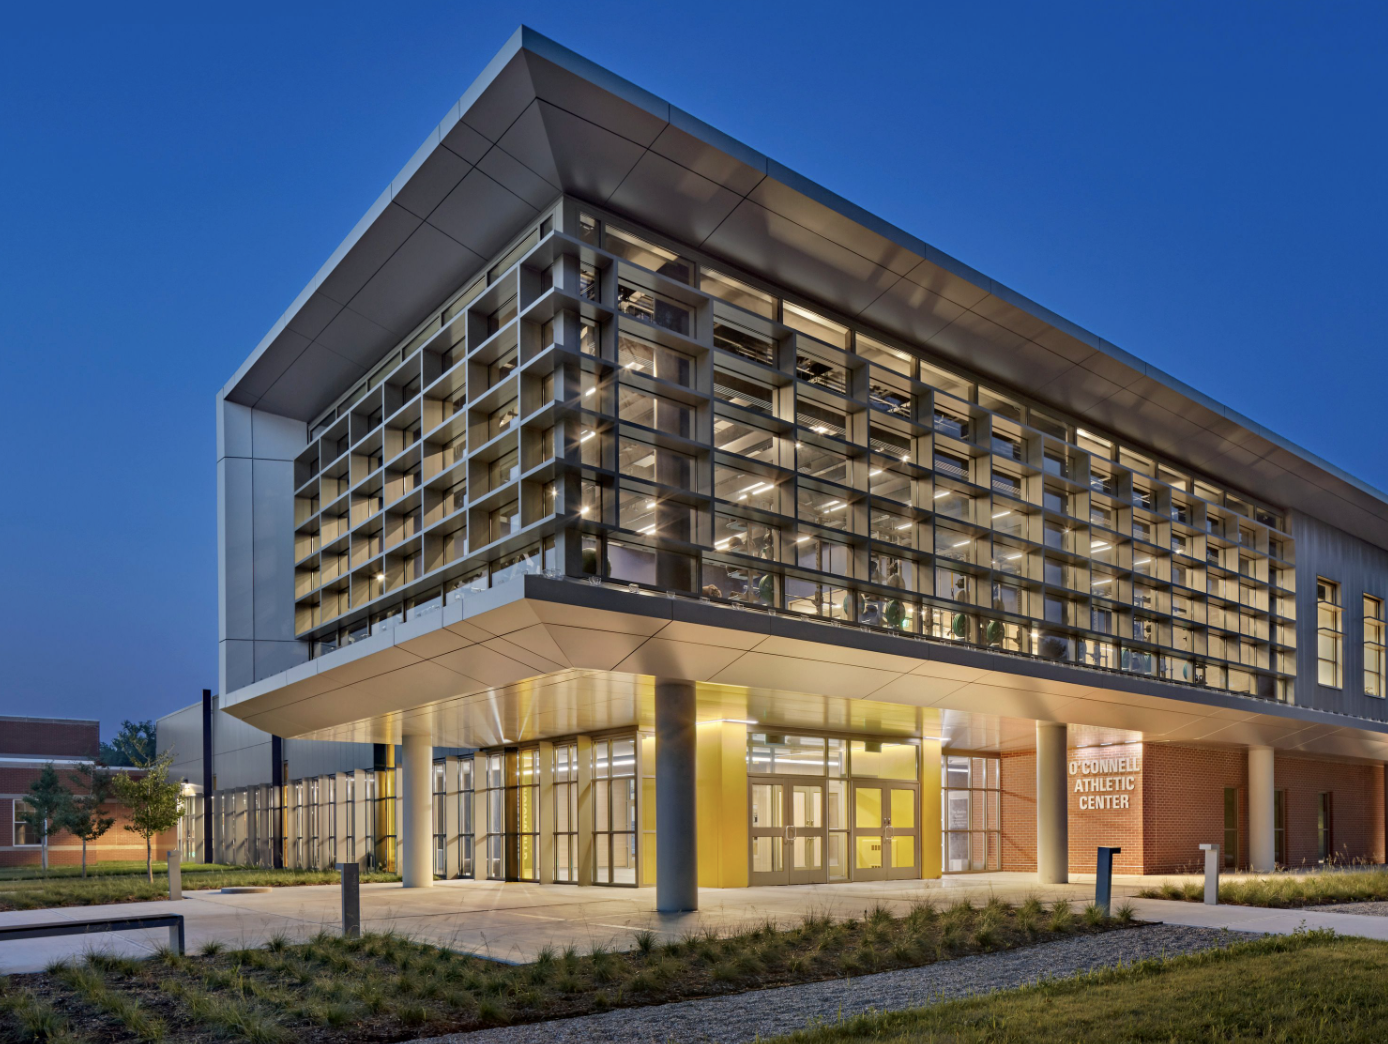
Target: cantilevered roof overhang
[[539, 657], [541, 120]]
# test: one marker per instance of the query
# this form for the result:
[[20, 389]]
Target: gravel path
[[742, 1017], [1373, 909]]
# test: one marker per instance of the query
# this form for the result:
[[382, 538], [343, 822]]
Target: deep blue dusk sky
[[1201, 184]]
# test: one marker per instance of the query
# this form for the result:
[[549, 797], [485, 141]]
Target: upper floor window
[[1373, 647], [1329, 633]]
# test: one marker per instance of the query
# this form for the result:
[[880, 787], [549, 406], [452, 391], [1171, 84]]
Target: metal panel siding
[[272, 511], [1359, 568], [181, 732], [234, 488]]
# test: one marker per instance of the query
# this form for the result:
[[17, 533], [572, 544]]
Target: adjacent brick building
[[26, 745]]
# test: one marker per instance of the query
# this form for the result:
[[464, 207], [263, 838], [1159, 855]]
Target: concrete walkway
[[513, 921]]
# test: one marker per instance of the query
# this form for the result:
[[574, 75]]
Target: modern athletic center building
[[748, 539]]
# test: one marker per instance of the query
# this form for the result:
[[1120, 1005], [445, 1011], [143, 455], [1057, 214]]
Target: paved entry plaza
[[512, 921]]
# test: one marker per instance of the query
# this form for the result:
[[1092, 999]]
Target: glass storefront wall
[[846, 812], [614, 811], [565, 776], [971, 813]]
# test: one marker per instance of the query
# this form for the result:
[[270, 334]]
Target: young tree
[[154, 801], [44, 805], [134, 745], [82, 818]]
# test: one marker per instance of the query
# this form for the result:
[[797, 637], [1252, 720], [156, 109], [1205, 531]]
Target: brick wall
[[49, 738], [1357, 814], [1102, 811], [1178, 804], [1183, 794], [63, 848], [1017, 774]]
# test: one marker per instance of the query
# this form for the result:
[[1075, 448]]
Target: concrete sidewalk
[[514, 920]]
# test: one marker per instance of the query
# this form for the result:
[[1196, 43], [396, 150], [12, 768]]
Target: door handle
[[790, 833]]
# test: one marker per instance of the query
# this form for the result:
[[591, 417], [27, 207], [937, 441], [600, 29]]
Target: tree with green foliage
[[154, 801], [95, 785], [135, 745], [43, 807]]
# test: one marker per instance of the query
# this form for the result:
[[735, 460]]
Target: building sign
[[1105, 783]]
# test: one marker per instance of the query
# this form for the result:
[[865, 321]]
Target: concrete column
[[676, 820], [1261, 847], [416, 812], [1052, 816]]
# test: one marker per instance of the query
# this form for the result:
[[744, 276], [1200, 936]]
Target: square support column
[[1052, 805], [931, 824], [417, 811], [1261, 843], [676, 819]]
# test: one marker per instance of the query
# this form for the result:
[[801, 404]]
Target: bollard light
[[175, 875], [1212, 862], [1103, 877], [351, 900]]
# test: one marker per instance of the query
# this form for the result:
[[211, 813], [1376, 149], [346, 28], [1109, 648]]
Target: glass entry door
[[789, 836], [886, 832]]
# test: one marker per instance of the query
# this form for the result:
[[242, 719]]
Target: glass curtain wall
[[466, 811], [972, 812], [565, 773], [527, 795], [614, 811], [440, 823], [494, 783]]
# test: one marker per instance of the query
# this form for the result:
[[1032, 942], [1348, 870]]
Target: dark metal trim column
[[277, 809], [676, 822], [208, 842]]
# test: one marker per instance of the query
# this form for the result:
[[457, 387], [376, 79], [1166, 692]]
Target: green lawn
[[116, 867], [35, 893], [383, 988], [1286, 890], [1286, 989]]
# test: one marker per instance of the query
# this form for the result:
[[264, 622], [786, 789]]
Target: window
[[1373, 646], [23, 833], [1231, 828], [466, 796], [1279, 827], [1329, 632], [566, 812], [440, 827], [971, 810], [614, 812]]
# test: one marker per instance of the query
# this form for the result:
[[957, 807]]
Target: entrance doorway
[[790, 826], [828, 808], [886, 832]]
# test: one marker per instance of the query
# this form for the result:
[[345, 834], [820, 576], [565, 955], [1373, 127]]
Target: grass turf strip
[[39, 893], [1289, 989], [386, 988], [1285, 890]]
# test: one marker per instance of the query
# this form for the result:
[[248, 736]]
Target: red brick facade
[[65, 741], [49, 738], [1175, 802]]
